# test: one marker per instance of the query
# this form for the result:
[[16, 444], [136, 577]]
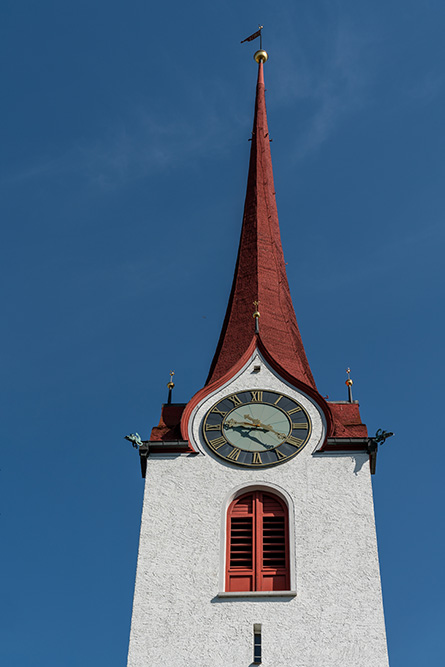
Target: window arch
[[257, 557]]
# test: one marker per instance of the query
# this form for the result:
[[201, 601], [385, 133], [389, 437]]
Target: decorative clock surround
[[299, 421]]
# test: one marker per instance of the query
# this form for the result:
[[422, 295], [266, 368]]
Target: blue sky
[[122, 172]]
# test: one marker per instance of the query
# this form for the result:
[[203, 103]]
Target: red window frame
[[257, 556]]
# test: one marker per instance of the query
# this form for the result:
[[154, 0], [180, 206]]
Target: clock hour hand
[[231, 423], [265, 427]]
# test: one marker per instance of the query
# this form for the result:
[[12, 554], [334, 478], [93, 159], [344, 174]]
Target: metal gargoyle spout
[[135, 439], [373, 444]]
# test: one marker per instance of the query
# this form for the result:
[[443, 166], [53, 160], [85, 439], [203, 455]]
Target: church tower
[[257, 541]]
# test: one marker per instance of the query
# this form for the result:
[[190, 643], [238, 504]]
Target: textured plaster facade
[[336, 617]]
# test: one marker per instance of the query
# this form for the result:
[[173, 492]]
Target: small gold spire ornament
[[349, 384], [256, 316], [261, 56], [170, 386]]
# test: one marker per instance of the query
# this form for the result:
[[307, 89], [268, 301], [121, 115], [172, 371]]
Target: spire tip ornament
[[170, 386], [349, 384]]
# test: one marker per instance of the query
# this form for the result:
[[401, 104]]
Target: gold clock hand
[[231, 422], [257, 423], [267, 427]]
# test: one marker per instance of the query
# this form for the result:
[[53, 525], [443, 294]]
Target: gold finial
[[171, 384], [349, 384], [256, 316], [261, 56]]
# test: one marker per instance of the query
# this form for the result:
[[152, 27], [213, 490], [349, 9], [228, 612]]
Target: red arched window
[[257, 543]]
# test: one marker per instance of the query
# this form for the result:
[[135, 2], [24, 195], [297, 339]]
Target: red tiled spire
[[260, 273]]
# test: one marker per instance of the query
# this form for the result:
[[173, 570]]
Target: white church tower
[[258, 541]]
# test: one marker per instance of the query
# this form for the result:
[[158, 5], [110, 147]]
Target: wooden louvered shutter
[[257, 544], [240, 545], [272, 557]]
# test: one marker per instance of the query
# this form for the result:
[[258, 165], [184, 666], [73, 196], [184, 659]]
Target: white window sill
[[258, 594]]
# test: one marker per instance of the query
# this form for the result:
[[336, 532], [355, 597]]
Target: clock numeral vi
[[218, 442], [234, 454], [257, 396], [256, 458]]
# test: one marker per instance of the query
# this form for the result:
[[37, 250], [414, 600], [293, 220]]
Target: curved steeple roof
[[260, 273]]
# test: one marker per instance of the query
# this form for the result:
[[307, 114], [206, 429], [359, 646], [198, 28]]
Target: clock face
[[256, 428]]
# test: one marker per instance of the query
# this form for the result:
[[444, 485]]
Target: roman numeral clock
[[256, 428]]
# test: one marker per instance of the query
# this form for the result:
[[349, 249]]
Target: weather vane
[[261, 55]]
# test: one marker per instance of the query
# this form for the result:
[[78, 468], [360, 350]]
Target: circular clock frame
[[256, 428]]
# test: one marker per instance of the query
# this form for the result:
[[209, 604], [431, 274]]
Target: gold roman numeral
[[235, 400], [278, 400], [213, 427], [256, 457], [291, 412], [257, 396], [280, 455], [300, 425], [218, 442], [234, 454], [219, 412], [294, 441]]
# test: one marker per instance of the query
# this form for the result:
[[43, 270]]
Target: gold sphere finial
[[171, 384], [349, 382], [261, 56]]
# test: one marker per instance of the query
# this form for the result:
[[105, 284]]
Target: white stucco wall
[[336, 618]]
